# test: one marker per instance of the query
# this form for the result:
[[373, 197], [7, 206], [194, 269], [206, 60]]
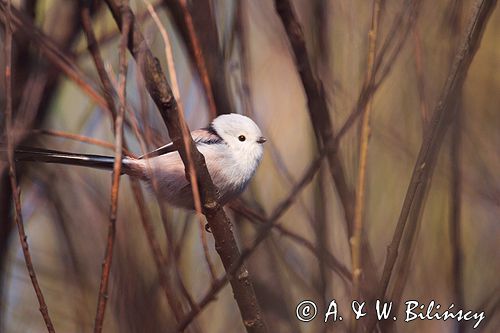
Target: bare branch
[[12, 170], [357, 237], [108, 257]]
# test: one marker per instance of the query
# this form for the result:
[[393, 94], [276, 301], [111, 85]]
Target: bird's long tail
[[60, 157]]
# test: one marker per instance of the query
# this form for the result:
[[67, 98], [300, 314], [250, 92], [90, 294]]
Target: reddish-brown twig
[[197, 53], [54, 54], [196, 24], [357, 236], [12, 171], [185, 132], [106, 267]]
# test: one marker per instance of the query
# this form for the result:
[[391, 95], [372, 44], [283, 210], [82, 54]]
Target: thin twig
[[81, 138], [54, 54], [12, 170], [185, 132], [334, 263], [93, 48], [196, 24], [106, 37], [106, 268], [357, 237], [160, 259], [441, 117], [198, 54]]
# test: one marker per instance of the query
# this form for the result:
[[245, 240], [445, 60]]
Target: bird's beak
[[261, 139]]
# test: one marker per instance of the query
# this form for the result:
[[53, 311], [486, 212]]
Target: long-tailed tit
[[231, 145]]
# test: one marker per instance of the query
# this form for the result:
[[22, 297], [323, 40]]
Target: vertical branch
[[106, 268], [429, 149], [356, 239], [12, 171]]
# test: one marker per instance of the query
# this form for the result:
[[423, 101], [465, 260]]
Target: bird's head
[[241, 134]]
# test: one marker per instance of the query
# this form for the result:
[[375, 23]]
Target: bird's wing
[[205, 135]]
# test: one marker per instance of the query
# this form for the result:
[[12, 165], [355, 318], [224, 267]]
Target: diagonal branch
[[220, 225]]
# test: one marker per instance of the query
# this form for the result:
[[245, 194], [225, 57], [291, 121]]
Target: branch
[[12, 171], [442, 115], [108, 257], [220, 225], [357, 238]]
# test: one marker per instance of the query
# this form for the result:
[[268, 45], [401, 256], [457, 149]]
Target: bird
[[232, 145]]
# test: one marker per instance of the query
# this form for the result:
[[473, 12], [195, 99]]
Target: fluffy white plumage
[[232, 147]]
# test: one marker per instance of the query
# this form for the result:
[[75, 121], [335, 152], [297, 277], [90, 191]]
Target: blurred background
[[453, 258]]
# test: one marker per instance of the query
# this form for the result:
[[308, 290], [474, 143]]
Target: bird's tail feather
[[60, 157]]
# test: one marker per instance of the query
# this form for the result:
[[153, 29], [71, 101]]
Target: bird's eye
[[242, 138]]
